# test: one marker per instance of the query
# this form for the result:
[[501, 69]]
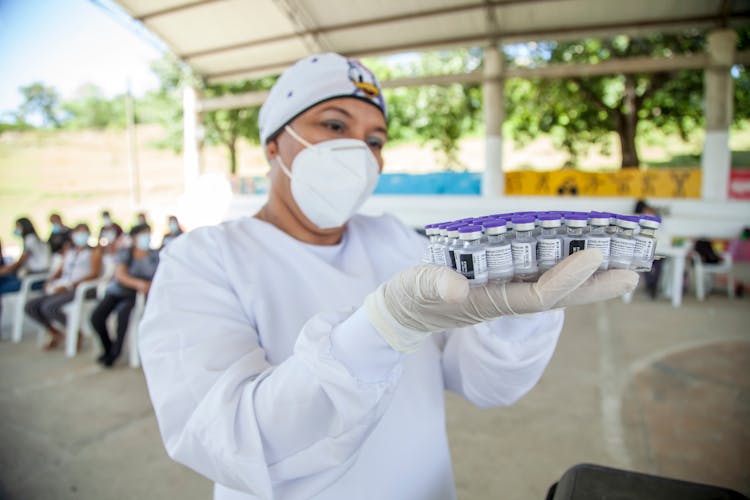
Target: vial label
[[438, 256], [452, 257], [523, 256], [622, 248], [576, 246], [499, 257], [472, 264], [644, 248], [602, 244], [549, 249]]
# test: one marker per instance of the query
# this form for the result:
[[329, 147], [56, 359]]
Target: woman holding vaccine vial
[[302, 352]]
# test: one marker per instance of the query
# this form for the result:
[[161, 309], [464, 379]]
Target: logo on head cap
[[363, 79]]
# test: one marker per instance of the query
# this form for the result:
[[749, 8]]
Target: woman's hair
[[82, 225], [26, 226], [139, 228]]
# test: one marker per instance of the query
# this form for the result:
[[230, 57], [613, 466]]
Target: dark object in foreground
[[595, 482]]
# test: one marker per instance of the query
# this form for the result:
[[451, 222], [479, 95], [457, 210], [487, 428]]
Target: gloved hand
[[426, 299]]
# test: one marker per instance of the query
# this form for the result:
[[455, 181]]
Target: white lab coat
[[267, 378]]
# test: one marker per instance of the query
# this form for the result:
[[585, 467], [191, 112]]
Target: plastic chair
[[22, 296], [135, 319], [80, 307], [703, 274]]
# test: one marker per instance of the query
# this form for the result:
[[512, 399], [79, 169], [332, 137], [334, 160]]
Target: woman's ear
[[271, 149]]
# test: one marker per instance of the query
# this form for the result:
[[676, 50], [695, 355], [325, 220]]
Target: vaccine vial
[[574, 239], [440, 241], [499, 254], [612, 228], [523, 249], [549, 244], [597, 236], [435, 250], [623, 244], [451, 243], [471, 256], [645, 244]]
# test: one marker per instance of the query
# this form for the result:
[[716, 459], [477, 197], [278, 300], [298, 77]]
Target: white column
[[718, 108], [191, 139], [493, 180], [135, 178]]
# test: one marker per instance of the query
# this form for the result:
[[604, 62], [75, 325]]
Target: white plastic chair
[[703, 274], [25, 293], [133, 325], [80, 308], [22, 296]]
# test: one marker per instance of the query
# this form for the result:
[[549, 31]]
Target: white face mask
[[108, 236], [143, 241], [80, 239], [331, 179]]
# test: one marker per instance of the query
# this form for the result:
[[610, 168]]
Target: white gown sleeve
[[495, 364], [287, 430]]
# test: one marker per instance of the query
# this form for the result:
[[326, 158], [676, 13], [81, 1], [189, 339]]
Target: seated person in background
[[34, 259], [140, 219], [135, 269], [81, 262], [651, 277], [173, 231], [109, 234], [59, 235]]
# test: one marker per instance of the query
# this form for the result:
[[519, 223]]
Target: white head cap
[[311, 81]]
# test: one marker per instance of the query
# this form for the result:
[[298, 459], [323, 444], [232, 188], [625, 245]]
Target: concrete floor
[[639, 386]]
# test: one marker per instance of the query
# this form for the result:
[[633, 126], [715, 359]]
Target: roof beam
[[233, 101], [176, 8], [360, 24], [609, 67], [304, 27], [483, 37]]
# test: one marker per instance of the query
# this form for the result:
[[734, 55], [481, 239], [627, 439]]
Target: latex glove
[[426, 299]]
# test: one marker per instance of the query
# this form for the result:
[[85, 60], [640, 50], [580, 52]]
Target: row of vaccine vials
[[520, 246]]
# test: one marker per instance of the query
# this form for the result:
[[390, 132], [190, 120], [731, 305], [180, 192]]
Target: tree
[[227, 126], [581, 111], [222, 127], [40, 102], [91, 109], [433, 114]]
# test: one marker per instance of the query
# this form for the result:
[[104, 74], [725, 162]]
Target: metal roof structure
[[239, 39]]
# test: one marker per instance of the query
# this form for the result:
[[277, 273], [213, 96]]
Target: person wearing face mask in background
[[80, 263], [301, 353], [173, 231], [141, 219], [59, 234], [109, 234], [135, 269], [35, 258]]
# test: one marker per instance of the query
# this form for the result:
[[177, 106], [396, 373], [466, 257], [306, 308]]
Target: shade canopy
[[238, 39]]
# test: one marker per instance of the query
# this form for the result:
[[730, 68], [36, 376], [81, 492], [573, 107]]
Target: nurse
[[300, 353]]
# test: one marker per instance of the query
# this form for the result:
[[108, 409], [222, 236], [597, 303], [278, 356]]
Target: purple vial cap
[[576, 216], [522, 219], [548, 216], [453, 226], [654, 218], [628, 218], [498, 222], [470, 228]]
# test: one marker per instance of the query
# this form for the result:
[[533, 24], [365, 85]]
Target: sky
[[67, 43]]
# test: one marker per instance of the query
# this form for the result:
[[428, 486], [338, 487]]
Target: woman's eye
[[334, 125], [375, 142]]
